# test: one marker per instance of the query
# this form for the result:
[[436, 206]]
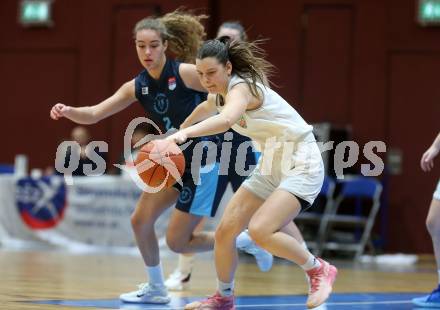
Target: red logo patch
[[172, 83]]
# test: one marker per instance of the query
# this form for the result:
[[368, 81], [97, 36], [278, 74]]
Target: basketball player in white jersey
[[433, 224], [179, 279], [288, 176]]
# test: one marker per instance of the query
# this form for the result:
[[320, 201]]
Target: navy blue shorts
[[203, 200]]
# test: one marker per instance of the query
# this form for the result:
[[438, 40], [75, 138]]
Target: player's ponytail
[[247, 60], [183, 31], [185, 34]]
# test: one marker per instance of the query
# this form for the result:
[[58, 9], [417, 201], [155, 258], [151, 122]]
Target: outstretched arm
[[121, 99], [203, 111], [427, 161], [188, 73], [236, 103]]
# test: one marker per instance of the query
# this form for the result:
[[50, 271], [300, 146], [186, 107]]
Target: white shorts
[[437, 191], [301, 175]]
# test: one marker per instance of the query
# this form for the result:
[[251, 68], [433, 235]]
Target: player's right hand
[[58, 111]]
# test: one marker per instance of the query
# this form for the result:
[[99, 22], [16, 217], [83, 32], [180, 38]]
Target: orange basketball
[[160, 163]]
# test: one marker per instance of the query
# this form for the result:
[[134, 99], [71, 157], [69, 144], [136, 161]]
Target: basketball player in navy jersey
[[169, 91]]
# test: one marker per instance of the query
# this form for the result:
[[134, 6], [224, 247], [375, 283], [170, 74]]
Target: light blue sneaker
[[264, 258], [147, 294], [430, 301]]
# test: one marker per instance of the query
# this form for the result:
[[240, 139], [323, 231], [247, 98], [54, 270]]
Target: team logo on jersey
[[41, 202], [144, 90], [242, 122], [172, 83], [161, 104], [185, 195]]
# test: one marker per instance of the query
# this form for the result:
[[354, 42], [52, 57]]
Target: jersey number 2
[[167, 122]]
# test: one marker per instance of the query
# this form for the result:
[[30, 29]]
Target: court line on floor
[[353, 303]]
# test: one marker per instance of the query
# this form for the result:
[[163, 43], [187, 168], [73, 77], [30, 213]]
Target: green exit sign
[[36, 12], [429, 12]]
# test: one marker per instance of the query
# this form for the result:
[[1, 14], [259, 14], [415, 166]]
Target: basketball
[[160, 163]]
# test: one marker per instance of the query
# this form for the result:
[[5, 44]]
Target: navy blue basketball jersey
[[167, 101]]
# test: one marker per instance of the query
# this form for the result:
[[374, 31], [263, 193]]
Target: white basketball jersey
[[274, 120]]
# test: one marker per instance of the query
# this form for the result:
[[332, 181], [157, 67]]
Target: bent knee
[[433, 225], [141, 222], [226, 232], [136, 220], [258, 232], [177, 244]]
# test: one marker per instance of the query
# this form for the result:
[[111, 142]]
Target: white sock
[[438, 272], [311, 263], [155, 275], [186, 263], [225, 289]]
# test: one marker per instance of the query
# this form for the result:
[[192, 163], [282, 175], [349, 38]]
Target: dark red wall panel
[[28, 92], [326, 62], [414, 122]]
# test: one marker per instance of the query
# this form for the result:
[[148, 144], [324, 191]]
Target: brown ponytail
[[247, 60], [183, 31]]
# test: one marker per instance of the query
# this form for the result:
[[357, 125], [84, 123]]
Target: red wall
[[363, 63]]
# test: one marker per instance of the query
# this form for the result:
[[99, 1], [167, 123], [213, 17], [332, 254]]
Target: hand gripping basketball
[[160, 163]]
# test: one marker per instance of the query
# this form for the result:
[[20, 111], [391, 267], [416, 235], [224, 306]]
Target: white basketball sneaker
[[264, 258], [178, 281], [147, 294]]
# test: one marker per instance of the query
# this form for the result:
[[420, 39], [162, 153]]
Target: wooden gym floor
[[56, 280]]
